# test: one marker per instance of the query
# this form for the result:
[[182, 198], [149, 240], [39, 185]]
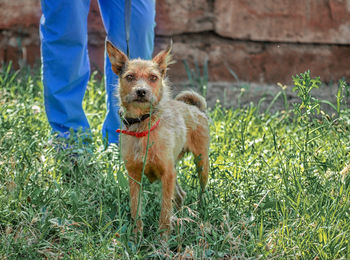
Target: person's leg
[[141, 46], [65, 63]]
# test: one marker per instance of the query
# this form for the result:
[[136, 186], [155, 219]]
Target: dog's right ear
[[117, 58], [164, 58]]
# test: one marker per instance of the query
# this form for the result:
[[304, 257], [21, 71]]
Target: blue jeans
[[65, 61]]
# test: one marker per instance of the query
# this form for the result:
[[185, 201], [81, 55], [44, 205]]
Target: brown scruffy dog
[[176, 127]]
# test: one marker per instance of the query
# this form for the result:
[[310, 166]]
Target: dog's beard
[[145, 102], [136, 109]]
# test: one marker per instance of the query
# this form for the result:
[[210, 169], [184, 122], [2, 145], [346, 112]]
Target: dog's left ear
[[164, 58]]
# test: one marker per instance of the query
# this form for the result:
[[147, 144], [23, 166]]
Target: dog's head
[[141, 82]]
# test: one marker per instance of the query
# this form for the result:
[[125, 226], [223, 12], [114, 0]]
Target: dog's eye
[[153, 78], [130, 78]]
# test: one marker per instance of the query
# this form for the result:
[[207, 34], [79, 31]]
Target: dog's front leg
[[135, 203], [168, 180]]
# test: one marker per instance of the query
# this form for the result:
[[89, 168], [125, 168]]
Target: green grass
[[275, 188]]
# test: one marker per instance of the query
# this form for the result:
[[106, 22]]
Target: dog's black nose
[[141, 92]]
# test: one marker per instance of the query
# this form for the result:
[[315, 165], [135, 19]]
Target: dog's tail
[[192, 98]]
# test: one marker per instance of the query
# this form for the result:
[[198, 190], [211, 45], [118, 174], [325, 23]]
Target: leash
[[127, 17], [129, 121]]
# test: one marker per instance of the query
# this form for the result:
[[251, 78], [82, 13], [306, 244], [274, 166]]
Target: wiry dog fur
[[183, 127]]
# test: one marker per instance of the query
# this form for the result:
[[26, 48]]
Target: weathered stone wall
[[261, 41]]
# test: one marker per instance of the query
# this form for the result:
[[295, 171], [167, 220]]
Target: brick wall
[[262, 41]]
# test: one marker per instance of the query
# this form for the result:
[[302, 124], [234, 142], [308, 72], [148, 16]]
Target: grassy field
[[276, 189]]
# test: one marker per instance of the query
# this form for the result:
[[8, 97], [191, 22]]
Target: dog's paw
[[165, 230], [139, 227]]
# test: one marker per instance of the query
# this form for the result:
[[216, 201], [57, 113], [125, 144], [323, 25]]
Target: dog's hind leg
[[179, 196], [202, 164], [199, 146]]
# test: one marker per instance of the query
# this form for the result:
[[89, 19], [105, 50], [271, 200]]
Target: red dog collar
[[138, 134]]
